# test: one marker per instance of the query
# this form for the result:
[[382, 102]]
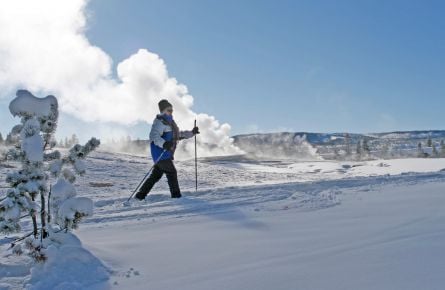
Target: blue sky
[[325, 66]]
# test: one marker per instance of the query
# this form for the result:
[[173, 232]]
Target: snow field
[[255, 225]]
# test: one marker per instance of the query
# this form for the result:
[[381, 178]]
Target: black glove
[[168, 145], [195, 131]]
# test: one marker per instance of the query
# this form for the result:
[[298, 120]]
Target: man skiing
[[164, 136]]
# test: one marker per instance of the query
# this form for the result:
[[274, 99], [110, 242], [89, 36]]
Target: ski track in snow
[[228, 186], [224, 188], [307, 196]]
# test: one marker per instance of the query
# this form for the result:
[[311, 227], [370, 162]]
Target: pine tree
[[442, 148], [359, 150], [63, 190], [348, 144], [1, 139], [386, 150], [8, 140], [366, 148], [429, 142], [336, 154], [74, 140], [435, 152], [29, 190], [420, 152]]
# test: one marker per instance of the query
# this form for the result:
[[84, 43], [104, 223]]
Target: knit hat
[[164, 104]]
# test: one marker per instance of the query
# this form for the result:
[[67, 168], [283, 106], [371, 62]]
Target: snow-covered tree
[[420, 152], [358, 150], [362, 149], [69, 209], [1, 139], [429, 142], [442, 148], [74, 139], [38, 123], [9, 139], [365, 146], [348, 144], [337, 154], [435, 153], [34, 147], [386, 150]]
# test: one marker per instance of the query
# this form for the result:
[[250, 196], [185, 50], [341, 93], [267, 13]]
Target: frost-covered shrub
[[33, 145], [67, 208], [73, 210]]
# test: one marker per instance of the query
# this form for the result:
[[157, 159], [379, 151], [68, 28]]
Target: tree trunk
[[34, 222], [49, 205], [44, 234]]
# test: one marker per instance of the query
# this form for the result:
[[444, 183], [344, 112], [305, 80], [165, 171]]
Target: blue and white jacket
[[164, 129]]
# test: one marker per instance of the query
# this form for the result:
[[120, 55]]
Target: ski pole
[[196, 164], [140, 183]]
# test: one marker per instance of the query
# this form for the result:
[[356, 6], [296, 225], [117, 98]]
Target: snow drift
[[69, 266]]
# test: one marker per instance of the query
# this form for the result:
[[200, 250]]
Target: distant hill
[[298, 144], [338, 138]]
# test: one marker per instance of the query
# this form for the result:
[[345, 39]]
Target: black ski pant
[[163, 166]]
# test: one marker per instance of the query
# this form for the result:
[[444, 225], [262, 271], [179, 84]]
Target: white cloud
[[43, 48]]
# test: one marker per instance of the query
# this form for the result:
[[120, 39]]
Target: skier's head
[[165, 107]]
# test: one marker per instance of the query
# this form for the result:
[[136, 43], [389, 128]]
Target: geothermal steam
[[43, 47]]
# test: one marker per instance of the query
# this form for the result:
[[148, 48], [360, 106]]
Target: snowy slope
[[390, 239], [265, 225]]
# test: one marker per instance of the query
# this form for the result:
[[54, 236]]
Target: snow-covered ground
[[263, 225]]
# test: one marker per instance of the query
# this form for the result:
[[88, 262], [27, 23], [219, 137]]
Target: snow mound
[[26, 104], [69, 267]]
